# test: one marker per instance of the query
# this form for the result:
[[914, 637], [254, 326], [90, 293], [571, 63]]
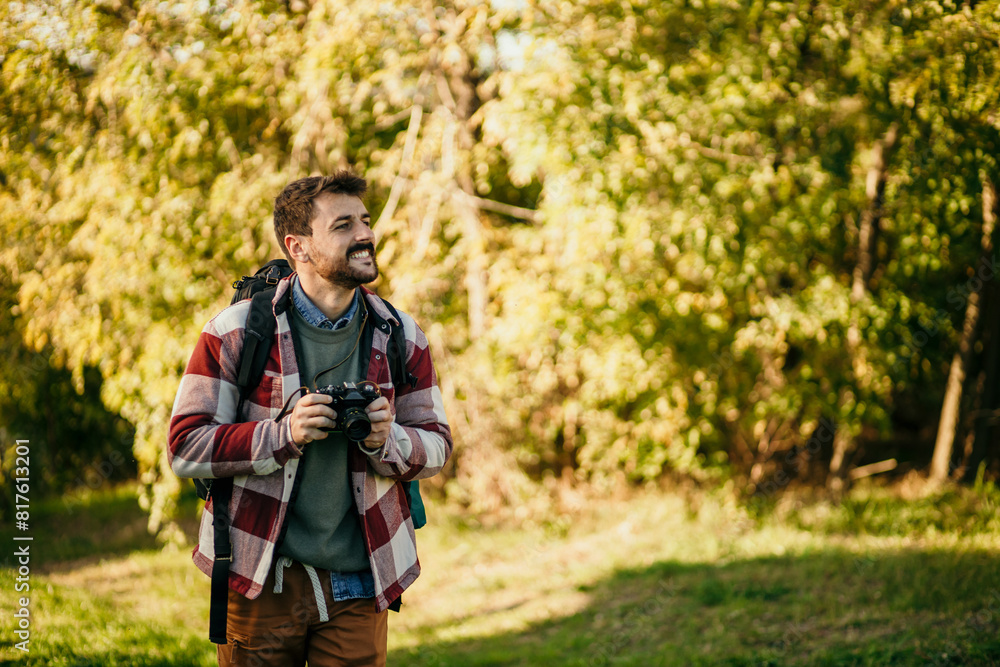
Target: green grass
[[881, 511], [650, 580]]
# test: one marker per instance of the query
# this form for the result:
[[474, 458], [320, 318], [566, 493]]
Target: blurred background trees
[[709, 239]]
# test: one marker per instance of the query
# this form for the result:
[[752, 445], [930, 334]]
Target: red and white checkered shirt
[[207, 440]]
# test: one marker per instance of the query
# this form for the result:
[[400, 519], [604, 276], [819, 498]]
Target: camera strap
[[361, 330], [284, 408]]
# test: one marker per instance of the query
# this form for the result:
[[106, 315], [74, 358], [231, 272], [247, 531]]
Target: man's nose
[[364, 233]]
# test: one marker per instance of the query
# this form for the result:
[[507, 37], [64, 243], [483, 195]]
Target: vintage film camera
[[349, 402]]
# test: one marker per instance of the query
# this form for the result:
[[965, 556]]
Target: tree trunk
[[945, 441], [457, 90], [984, 419], [843, 442], [868, 227], [477, 262]]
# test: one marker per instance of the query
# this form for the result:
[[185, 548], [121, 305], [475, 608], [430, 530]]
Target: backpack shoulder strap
[[257, 338], [397, 352], [222, 492], [400, 376]]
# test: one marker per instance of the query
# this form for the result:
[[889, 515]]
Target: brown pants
[[284, 629]]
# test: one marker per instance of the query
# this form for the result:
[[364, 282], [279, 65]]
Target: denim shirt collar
[[314, 316]]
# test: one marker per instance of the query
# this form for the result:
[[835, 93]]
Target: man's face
[[342, 246]]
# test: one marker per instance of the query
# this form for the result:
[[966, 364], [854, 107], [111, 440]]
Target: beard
[[340, 271]]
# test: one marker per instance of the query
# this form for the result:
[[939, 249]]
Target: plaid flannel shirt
[[207, 440]]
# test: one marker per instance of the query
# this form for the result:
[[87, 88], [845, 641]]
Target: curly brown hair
[[293, 208]]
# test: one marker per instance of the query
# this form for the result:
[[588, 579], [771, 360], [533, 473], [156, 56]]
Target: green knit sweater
[[323, 528]]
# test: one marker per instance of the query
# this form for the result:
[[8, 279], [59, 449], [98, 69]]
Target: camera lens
[[357, 425]]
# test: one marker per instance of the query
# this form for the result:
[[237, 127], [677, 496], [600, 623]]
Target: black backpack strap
[[222, 493], [397, 360], [257, 341]]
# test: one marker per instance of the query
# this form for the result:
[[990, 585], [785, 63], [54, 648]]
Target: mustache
[[361, 246]]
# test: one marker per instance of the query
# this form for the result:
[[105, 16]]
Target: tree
[[724, 232]]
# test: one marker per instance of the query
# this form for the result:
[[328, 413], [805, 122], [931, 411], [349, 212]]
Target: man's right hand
[[310, 414]]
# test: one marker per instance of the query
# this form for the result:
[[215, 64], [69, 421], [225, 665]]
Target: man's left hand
[[381, 418]]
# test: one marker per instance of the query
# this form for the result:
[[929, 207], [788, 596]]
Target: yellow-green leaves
[[631, 230]]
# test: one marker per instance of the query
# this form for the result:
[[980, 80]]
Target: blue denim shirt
[[352, 585], [346, 585], [314, 316]]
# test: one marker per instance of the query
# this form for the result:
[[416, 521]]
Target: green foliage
[[74, 443], [653, 260], [705, 174]]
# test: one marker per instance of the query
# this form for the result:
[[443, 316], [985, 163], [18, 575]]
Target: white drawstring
[[279, 572], [279, 580], [318, 592]]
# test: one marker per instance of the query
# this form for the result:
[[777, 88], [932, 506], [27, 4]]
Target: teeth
[[360, 254]]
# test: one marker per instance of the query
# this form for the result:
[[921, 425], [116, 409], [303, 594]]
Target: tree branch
[[416, 113], [510, 210]]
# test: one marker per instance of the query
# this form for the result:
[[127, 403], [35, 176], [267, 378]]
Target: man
[[322, 537]]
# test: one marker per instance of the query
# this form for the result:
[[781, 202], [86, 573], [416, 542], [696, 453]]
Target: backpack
[[258, 337]]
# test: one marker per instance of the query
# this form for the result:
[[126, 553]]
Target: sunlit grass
[[648, 580]]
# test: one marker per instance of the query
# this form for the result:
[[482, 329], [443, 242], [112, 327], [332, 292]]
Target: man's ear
[[297, 248]]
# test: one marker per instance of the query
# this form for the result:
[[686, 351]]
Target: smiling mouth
[[360, 254]]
